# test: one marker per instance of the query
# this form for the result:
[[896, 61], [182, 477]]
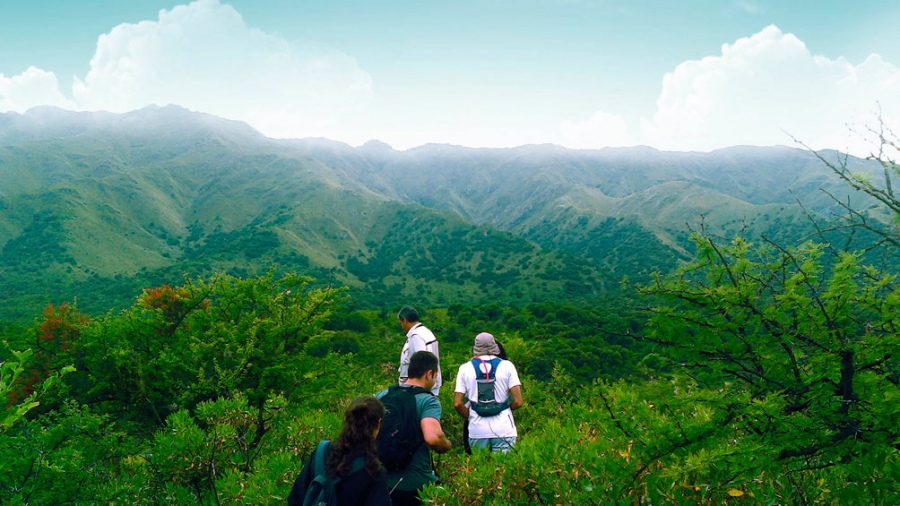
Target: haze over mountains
[[96, 206]]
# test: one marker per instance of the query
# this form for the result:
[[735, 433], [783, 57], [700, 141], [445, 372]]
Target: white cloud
[[600, 130], [30, 88], [760, 90], [766, 88], [204, 57]]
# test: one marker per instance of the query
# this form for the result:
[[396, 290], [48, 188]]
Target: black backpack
[[487, 404], [401, 433], [321, 489]]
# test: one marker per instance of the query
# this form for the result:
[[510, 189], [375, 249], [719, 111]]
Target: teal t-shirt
[[419, 472]]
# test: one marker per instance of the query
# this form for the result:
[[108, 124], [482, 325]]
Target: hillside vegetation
[[760, 376], [755, 368], [97, 206]]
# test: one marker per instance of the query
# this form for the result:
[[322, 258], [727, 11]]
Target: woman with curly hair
[[353, 457]]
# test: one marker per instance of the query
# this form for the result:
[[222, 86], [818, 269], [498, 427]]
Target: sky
[[688, 75]]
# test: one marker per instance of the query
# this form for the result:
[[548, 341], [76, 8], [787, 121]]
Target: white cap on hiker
[[485, 344]]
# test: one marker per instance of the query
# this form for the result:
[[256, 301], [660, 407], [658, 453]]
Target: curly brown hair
[[357, 438]]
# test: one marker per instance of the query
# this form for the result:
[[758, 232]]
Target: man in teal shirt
[[406, 483]]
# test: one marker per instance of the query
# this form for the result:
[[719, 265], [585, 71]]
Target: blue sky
[[676, 75]]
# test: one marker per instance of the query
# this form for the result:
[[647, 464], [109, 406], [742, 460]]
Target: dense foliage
[[217, 390]]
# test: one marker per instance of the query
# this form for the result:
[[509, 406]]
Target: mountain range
[[95, 206]]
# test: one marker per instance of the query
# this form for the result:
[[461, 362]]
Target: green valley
[[96, 206]]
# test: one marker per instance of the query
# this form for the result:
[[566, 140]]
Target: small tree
[[813, 348], [204, 340], [882, 219], [801, 341], [14, 405]]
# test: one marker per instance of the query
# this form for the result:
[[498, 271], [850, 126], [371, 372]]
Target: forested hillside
[[97, 206]]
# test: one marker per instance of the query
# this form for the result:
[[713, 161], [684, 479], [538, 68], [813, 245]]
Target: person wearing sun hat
[[487, 391]]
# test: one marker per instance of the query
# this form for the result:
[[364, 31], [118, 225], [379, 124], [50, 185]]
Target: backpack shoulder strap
[[495, 363], [401, 390], [416, 390], [358, 464], [322, 452], [427, 343], [321, 455], [412, 390], [476, 364]]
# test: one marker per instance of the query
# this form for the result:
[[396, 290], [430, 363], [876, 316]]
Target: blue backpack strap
[[358, 464], [495, 363], [322, 451], [476, 363], [321, 455]]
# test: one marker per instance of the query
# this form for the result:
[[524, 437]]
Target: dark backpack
[[487, 404], [401, 433], [321, 489]]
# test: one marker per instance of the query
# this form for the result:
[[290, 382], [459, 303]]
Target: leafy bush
[[339, 342]]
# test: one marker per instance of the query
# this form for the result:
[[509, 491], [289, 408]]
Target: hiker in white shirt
[[494, 428], [418, 338]]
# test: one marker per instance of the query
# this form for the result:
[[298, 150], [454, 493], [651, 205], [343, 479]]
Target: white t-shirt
[[419, 338], [502, 424]]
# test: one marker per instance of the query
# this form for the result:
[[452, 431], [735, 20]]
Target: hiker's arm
[[301, 483], [459, 404], [516, 393], [434, 435]]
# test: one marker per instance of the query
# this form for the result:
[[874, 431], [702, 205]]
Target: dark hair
[[357, 437], [502, 353], [422, 362], [409, 314]]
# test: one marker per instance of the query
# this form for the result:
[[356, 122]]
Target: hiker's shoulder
[[428, 405], [404, 390], [426, 396], [467, 367], [506, 363], [416, 340], [422, 332], [506, 366]]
